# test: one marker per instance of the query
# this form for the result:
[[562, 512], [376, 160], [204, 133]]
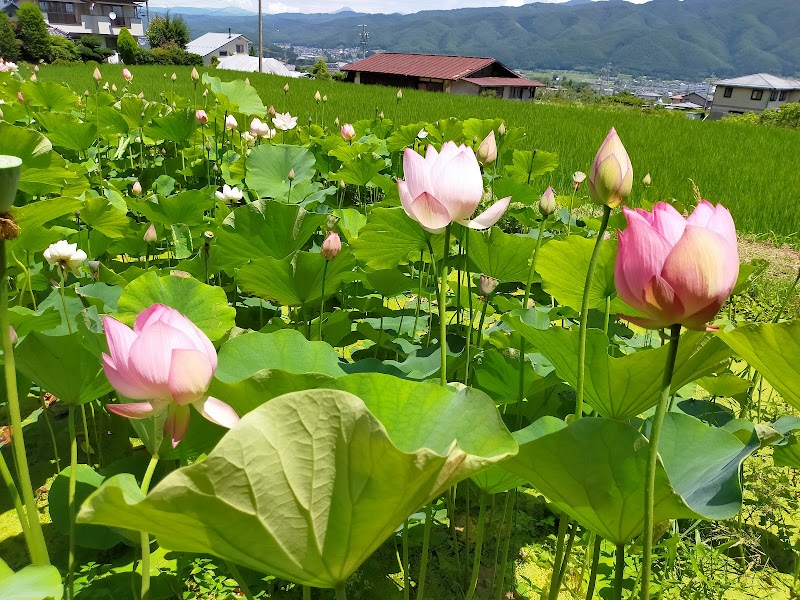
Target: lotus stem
[[506, 544], [306, 593], [469, 308], [486, 301], [786, 298], [64, 300], [652, 459], [341, 591], [598, 544], [406, 576], [426, 541], [619, 572], [73, 476], [145, 537], [46, 415], [443, 305], [8, 480], [585, 310], [243, 586], [35, 539], [322, 302], [563, 523], [476, 563], [565, 560], [571, 203], [499, 537]]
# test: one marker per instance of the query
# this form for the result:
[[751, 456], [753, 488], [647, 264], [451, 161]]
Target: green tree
[[63, 49], [127, 46], [168, 30], [91, 48], [32, 30], [9, 48], [320, 70]]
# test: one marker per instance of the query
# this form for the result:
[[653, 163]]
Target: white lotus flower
[[66, 256], [284, 121], [422, 134], [230, 194]]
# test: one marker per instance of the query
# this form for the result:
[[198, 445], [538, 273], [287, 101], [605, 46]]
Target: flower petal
[[490, 216], [416, 173], [457, 182], [124, 381], [177, 423], [120, 338], [217, 412], [644, 250], [151, 354], [669, 222], [136, 410], [406, 199], [190, 374], [430, 213], [149, 315]]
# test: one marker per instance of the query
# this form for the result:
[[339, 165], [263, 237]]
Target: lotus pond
[[251, 356]]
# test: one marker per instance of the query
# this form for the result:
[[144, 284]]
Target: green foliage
[[63, 49], [320, 70], [127, 47], [91, 47], [32, 31], [168, 30], [787, 116], [9, 47]]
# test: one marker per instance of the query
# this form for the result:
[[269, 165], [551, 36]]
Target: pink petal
[[702, 268], [186, 326], [430, 213], [149, 316], [217, 412], [431, 154], [125, 381], [457, 182], [669, 222], [406, 199], [177, 423], [415, 170], [702, 214], [490, 216], [190, 374], [643, 256], [120, 338], [646, 322], [151, 355], [136, 410], [722, 223]]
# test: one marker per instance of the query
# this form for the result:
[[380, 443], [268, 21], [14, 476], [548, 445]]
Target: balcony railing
[[126, 22], [63, 19]]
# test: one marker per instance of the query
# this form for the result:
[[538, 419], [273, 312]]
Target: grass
[[752, 170]]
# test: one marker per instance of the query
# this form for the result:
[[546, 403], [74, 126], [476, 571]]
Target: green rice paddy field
[[755, 171]]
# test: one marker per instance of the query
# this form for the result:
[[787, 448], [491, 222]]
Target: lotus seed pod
[[10, 168]]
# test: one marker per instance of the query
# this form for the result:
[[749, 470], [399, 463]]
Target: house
[[219, 45], [438, 73], [101, 19], [753, 93], [699, 98]]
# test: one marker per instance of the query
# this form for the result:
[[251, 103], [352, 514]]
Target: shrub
[[36, 44], [127, 47], [168, 30], [9, 47], [320, 70], [214, 62], [63, 50], [91, 48]]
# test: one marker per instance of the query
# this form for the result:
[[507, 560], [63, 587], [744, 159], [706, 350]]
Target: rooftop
[[763, 81], [435, 66], [206, 44], [504, 82]]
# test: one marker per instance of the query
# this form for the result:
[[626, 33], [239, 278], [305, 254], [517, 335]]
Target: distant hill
[[666, 38]]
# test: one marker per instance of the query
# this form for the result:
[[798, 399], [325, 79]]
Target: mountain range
[[664, 38]]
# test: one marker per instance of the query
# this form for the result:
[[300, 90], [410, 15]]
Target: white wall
[[740, 101]]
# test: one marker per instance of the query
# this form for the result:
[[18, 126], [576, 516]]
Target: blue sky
[[309, 6]]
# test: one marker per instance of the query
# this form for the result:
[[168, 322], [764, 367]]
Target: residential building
[[220, 45], [76, 19], [699, 98], [438, 73], [249, 64], [753, 93]]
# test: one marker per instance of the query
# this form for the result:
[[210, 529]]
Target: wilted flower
[[166, 362], [150, 236], [578, 177], [94, 267], [331, 246], [611, 175], [229, 194], [230, 122], [284, 121], [98, 77], [66, 256], [106, 86], [127, 75], [487, 151], [488, 284], [647, 180], [137, 189], [195, 74], [248, 138], [446, 187], [677, 270], [201, 117], [547, 203], [348, 132]]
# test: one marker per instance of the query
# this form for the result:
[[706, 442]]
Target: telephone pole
[[260, 39], [364, 39]]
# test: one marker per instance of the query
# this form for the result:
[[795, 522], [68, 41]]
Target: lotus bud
[[13, 335], [20, 98], [214, 167], [547, 203], [201, 117], [381, 116], [348, 132], [325, 98], [578, 178], [487, 151], [174, 76], [501, 131], [255, 126], [331, 246], [291, 175], [230, 122], [205, 93], [33, 77], [150, 236], [36, 68], [399, 94], [611, 175], [86, 93], [247, 81], [336, 121], [127, 75], [141, 95], [98, 77], [114, 87], [137, 189], [310, 120], [286, 88], [195, 74], [106, 86], [94, 267], [647, 180], [1, 111], [342, 184], [165, 75], [271, 112], [317, 97], [488, 285]]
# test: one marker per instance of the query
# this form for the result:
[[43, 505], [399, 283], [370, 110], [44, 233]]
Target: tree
[[63, 49], [127, 46], [9, 48], [33, 32], [91, 48], [320, 70], [168, 30]]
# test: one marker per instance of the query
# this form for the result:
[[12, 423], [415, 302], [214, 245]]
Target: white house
[[753, 93], [220, 45]]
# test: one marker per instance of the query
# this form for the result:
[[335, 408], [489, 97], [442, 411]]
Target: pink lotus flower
[[611, 175], [230, 122], [166, 362], [446, 187], [201, 117], [677, 270], [348, 132], [331, 246], [127, 75]]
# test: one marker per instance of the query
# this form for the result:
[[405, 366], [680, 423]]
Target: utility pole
[[147, 7], [260, 39], [364, 39]]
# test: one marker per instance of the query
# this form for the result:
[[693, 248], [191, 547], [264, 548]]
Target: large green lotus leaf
[[268, 169], [528, 165], [390, 238], [207, 306], [186, 207], [55, 97], [390, 282], [263, 229], [504, 256], [305, 488], [32, 219], [75, 136], [563, 265], [87, 482], [773, 349], [176, 127], [101, 215], [34, 582], [498, 375], [788, 454], [360, 170], [235, 96], [726, 385], [32, 147], [496, 480], [63, 366], [52, 180], [295, 281], [621, 388]]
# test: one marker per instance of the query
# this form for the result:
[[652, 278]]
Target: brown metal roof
[[504, 82], [434, 66]]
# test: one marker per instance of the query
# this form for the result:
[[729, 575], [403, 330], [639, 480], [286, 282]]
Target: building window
[[240, 48], [757, 95], [773, 95], [728, 92], [223, 53], [784, 95]]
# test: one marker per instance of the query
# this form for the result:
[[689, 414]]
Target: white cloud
[[279, 7], [514, 2]]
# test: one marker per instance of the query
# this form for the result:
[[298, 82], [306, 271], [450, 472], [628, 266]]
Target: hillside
[[668, 38]]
